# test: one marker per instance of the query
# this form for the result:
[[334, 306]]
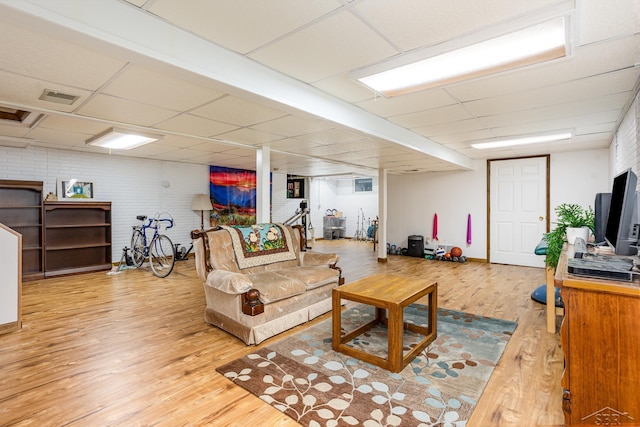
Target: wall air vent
[[58, 97]]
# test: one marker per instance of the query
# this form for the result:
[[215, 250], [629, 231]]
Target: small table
[[388, 294]]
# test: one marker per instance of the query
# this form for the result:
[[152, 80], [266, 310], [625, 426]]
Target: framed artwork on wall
[[295, 188], [75, 189]]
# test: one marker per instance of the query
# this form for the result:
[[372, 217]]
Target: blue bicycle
[[160, 250]]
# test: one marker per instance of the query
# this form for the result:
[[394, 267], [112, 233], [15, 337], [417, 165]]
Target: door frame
[[548, 190]]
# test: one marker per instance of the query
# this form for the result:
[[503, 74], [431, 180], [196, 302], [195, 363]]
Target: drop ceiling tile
[[190, 124], [332, 136], [39, 55], [151, 87], [124, 111], [291, 126], [567, 110], [606, 20], [333, 45], [26, 91], [66, 137], [428, 117], [579, 90], [237, 111], [13, 131], [462, 138], [226, 23], [440, 129], [249, 136], [415, 23], [405, 104], [79, 124]]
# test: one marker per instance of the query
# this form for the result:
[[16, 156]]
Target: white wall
[[133, 185], [575, 177], [414, 199]]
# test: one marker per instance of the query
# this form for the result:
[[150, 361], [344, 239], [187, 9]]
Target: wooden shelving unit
[[77, 237], [21, 210]]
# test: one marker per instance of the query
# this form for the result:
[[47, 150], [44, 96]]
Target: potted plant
[[569, 216]]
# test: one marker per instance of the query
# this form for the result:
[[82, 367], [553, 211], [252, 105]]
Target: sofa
[[260, 280]]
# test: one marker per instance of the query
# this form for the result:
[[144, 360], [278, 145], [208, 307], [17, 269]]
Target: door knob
[[540, 218]]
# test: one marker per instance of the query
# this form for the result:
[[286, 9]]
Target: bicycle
[[160, 250]]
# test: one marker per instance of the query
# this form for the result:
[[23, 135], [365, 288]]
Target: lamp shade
[[201, 202]]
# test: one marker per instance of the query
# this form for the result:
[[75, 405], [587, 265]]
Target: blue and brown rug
[[304, 378]]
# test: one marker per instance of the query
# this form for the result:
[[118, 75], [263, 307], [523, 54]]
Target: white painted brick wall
[[626, 143], [133, 185]]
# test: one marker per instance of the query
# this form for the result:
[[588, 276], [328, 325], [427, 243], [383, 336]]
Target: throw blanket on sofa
[[261, 244]]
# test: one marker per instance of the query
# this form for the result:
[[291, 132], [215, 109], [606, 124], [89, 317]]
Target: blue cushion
[[541, 249], [540, 295]]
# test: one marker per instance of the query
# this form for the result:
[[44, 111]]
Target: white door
[[518, 210]]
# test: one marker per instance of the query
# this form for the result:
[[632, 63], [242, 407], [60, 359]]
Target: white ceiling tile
[[248, 136], [418, 119], [26, 90], [190, 124], [594, 88], [80, 125], [236, 111], [124, 111], [440, 129], [38, 55], [331, 46], [415, 23], [418, 101], [293, 125], [241, 25], [151, 87], [600, 20], [332, 136]]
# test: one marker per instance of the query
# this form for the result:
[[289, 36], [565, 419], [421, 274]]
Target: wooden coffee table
[[388, 294]]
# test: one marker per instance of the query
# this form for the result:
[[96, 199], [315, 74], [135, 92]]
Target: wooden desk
[[600, 337], [388, 294]]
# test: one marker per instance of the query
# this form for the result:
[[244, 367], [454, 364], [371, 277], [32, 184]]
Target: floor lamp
[[201, 202]]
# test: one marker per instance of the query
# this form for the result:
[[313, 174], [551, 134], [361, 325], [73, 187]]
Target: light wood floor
[[131, 349]]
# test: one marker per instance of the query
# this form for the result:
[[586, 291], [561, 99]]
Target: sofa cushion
[[273, 286], [311, 276], [229, 282]]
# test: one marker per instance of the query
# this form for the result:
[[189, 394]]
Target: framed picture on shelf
[[74, 189]]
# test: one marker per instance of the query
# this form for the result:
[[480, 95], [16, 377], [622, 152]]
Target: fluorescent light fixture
[[122, 139], [539, 43], [536, 139]]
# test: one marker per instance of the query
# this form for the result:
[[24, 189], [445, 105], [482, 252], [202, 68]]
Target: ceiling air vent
[[58, 97], [13, 115]]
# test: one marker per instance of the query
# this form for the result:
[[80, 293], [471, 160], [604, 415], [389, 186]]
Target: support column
[[263, 185], [382, 215]]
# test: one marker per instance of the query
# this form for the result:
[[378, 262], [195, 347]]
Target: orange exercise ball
[[456, 252]]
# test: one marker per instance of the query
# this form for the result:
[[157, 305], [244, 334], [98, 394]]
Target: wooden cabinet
[[21, 210], [600, 338], [77, 237]]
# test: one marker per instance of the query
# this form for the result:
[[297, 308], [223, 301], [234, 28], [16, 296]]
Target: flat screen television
[[622, 213]]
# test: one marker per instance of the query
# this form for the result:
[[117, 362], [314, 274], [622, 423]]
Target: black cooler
[[415, 246]]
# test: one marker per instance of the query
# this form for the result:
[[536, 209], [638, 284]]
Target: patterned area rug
[[304, 378]]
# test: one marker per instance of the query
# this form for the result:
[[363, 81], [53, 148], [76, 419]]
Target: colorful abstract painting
[[233, 195]]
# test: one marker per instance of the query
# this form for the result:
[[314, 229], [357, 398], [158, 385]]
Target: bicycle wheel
[[161, 255], [137, 248]]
